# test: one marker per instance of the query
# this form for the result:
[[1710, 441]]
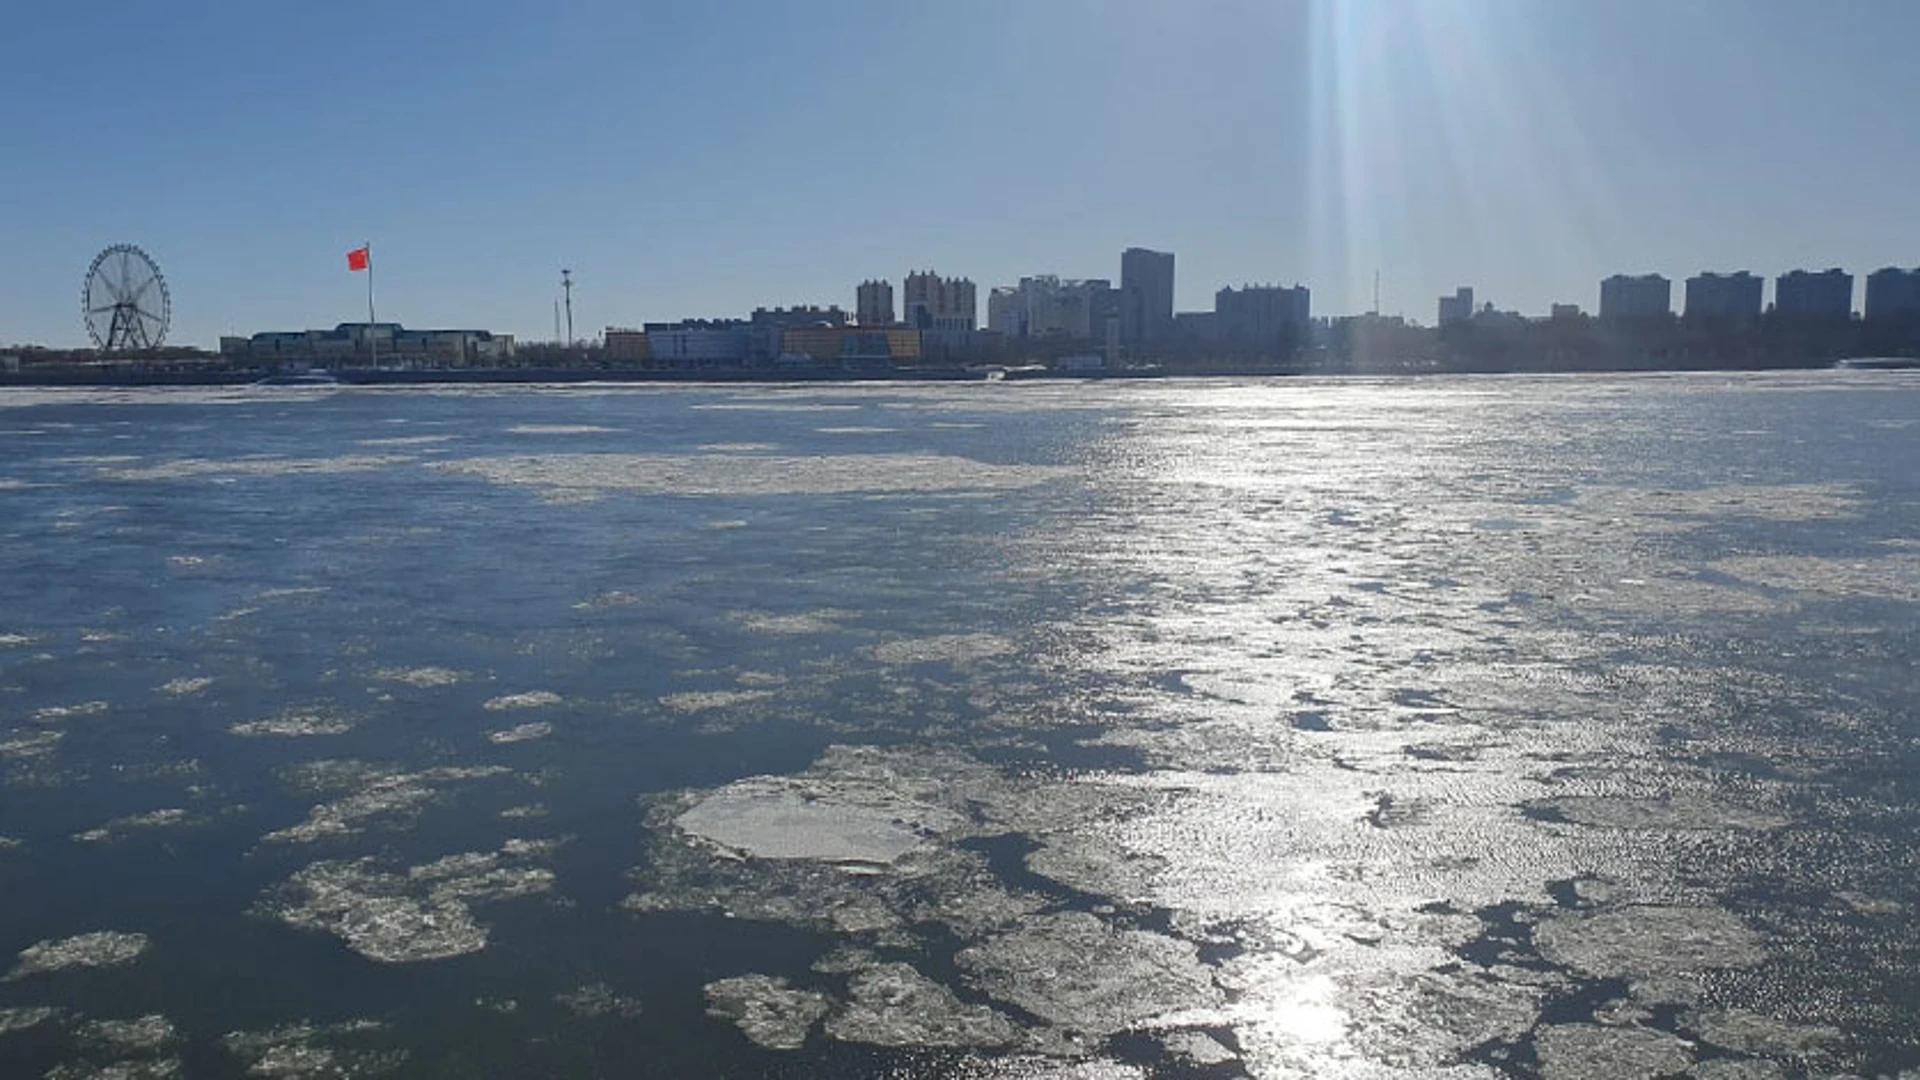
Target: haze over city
[[688, 162]]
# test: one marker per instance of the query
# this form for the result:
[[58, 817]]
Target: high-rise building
[[1146, 294], [1643, 297], [1046, 306], [1893, 293], [873, 303], [1734, 297], [1458, 307], [937, 305], [1805, 295], [1006, 311], [1262, 314]]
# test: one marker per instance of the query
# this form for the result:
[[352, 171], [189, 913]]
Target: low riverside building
[[628, 344], [851, 346], [351, 344], [697, 343]]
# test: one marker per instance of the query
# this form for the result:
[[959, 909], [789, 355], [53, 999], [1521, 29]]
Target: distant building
[[873, 303], [697, 343], [1724, 297], [1644, 297], [354, 343], [1263, 315], [1564, 311], [623, 343], [1458, 307], [1893, 293], [1146, 294], [1197, 325], [1006, 311], [942, 306], [1044, 306], [766, 325], [1804, 295], [851, 346]]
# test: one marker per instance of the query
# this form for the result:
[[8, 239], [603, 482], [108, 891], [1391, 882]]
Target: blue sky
[[699, 159]]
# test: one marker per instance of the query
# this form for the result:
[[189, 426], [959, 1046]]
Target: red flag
[[357, 259]]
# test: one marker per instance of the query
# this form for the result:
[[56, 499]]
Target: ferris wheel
[[125, 302]]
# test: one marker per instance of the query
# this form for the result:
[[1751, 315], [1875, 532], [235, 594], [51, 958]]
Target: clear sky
[[699, 159]]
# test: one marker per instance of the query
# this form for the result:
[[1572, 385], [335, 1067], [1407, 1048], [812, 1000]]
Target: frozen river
[[1463, 728]]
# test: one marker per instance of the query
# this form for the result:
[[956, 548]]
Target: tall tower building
[[873, 303], [1645, 297], [1733, 297], [1893, 293], [1146, 295], [1803, 295], [939, 305]]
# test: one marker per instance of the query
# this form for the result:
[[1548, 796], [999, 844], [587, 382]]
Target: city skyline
[[1525, 149]]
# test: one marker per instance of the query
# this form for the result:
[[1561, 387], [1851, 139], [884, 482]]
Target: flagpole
[[373, 341]]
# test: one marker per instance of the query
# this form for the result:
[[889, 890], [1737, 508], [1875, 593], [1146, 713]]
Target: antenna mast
[[566, 283]]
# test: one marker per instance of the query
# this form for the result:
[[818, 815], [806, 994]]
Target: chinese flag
[[357, 259]]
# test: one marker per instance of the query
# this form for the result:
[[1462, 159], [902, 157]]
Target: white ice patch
[[577, 477], [185, 686], [777, 819]]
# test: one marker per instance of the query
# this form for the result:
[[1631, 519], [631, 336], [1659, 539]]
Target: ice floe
[[694, 701], [1594, 1052], [531, 699], [1083, 974], [295, 725], [148, 1034], [374, 796], [782, 819], [598, 1000], [957, 649], [577, 477], [26, 744], [185, 685], [100, 949], [119, 827], [894, 1005], [768, 1011], [315, 1052], [54, 714], [521, 733], [1649, 941], [397, 916], [21, 1017], [423, 677]]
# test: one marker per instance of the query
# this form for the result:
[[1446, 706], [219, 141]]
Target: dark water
[[1502, 727]]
